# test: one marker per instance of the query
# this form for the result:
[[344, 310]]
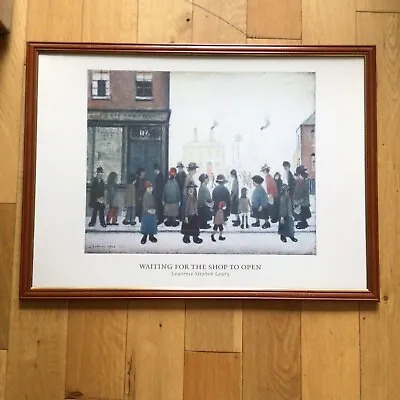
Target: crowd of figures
[[177, 200]]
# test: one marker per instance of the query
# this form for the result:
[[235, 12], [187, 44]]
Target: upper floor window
[[144, 86], [100, 84]]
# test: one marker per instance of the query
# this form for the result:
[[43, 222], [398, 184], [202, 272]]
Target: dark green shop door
[[144, 154]]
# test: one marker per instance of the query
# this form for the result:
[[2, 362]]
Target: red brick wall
[[122, 87], [308, 148]]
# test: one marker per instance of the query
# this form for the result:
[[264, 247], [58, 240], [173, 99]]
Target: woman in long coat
[[301, 198], [113, 206], [140, 191], [235, 197], [149, 217], [286, 224], [205, 202], [171, 199], [191, 222]]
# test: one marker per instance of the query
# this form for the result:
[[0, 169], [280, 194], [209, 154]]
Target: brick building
[[127, 121], [305, 153]]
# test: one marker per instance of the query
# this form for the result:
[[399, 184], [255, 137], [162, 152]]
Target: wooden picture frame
[[94, 109]]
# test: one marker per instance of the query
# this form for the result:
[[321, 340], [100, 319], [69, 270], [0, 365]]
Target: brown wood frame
[[34, 49]]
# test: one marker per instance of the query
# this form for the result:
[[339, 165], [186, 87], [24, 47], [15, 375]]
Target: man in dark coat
[[181, 178], [96, 200], [221, 193], [159, 184]]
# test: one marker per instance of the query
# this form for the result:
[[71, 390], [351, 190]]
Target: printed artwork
[[201, 162]]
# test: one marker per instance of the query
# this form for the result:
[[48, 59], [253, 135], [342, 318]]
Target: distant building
[[127, 121], [208, 154], [305, 152]]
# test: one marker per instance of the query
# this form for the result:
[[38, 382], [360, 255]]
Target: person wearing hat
[[259, 202], [148, 226], [221, 193], [181, 178], [286, 224], [96, 200], [301, 198], [159, 184], [235, 197], [192, 169], [171, 199], [272, 191], [205, 202], [191, 222]]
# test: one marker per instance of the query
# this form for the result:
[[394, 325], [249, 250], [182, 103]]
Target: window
[[144, 86], [104, 148], [101, 85]]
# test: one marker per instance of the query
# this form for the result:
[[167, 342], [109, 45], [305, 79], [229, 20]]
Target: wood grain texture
[[271, 351], [274, 19], [96, 350], [6, 7], [213, 326], [12, 54], [293, 42], [165, 21], [329, 22], [330, 354], [378, 5], [219, 21], [155, 350], [7, 230], [110, 22], [380, 341], [37, 350], [3, 370], [212, 376], [60, 20]]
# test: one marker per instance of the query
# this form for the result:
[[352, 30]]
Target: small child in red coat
[[219, 221]]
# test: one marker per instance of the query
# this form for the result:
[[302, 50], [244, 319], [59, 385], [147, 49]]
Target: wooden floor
[[171, 350]]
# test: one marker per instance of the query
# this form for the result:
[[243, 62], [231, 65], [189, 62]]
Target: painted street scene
[[201, 163]]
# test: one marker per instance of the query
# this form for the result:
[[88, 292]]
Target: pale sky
[[240, 103]]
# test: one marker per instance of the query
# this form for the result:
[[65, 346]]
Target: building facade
[[305, 153], [127, 122]]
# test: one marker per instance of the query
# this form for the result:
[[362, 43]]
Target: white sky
[[240, 103]]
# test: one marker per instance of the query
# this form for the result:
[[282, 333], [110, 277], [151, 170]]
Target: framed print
[[200, 171]]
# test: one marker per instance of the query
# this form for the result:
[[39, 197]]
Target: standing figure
[[205, 202], [149, 218], [180, 178], [221, 193], [219, 221], [191, 223], [96, 201], [301, 198], [130, 201], [286, 224], [275, 211], [244, 207], [159, 184], [140, 191], [235, 197], [113, 207], [259, 202], [288, 178], [189, 180], [171, 199], [272, 193]]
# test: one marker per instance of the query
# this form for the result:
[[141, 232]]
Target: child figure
[[259, 202], [149, 217], [286, 224], [191, 221], [219, 221], [130, 201], [244, 207]]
